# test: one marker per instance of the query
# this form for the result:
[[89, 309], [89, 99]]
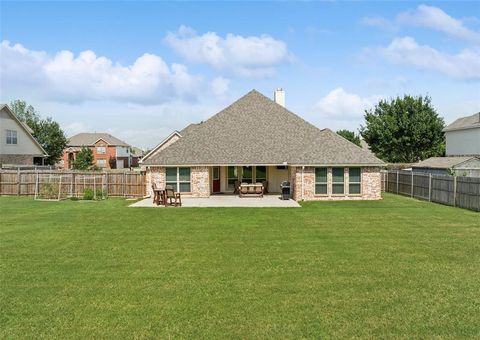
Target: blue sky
[[141, 69]]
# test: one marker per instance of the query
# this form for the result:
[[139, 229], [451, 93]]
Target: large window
[[101, 150], [12, 137], [247, 174], [320, 181], [179, 179], [232, 176], [260, 174], [355, 181], [101, 163], [338, 185]]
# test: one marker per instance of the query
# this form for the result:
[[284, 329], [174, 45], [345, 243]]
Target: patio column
[[200, 181]]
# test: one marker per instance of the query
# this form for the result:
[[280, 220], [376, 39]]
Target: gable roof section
[[24, 126], [256, 130], [87, 138], [159, 145], [469, 122], [443, 162]]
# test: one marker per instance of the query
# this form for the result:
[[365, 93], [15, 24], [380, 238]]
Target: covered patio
[[224, 201]]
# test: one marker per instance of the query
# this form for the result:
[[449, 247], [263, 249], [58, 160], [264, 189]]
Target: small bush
[[88, 194], [100, 194]]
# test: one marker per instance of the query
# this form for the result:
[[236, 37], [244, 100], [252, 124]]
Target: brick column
[[200, 181], [155, 175]]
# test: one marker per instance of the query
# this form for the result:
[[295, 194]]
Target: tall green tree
[[350, 136], [84, 159], [45, 130], [404, 129]]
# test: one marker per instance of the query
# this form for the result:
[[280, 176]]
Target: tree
[[46, 131], [84, 160], [350, 136], [112, 161], [404, 129]]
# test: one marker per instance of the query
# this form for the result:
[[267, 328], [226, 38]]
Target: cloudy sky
[[140, 70]]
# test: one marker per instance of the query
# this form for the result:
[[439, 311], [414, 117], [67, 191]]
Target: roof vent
[[279, 96]]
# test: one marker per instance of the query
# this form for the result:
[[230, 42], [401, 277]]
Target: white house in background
[[17, 145], [463, 136]]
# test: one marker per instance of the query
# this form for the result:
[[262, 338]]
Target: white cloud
[[341, 105], [66, 77], [436, 19], [253, 56], [463, 65], [220, 86], [381, 22]]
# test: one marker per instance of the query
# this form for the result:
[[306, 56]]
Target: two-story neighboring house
[[108, 151], [463, 136], [462, 150], [17, 145]]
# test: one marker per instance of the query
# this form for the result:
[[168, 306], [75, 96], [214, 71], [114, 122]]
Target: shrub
[[49, 191], [100, 194], [88, 194]]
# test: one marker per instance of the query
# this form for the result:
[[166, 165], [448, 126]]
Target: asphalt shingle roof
[[442, 162], [87, 138], [469, 122], [256, 130]]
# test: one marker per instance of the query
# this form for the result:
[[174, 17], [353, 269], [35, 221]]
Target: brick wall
[[155, 175], [200, 181], [371, 184], [16, 159]]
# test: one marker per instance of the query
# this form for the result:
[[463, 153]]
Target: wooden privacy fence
[[463, 192], [115, 184]]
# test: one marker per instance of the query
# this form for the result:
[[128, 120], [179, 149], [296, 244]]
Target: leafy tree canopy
[[46, 131], [84, 159], [404, 129], [350, 136]]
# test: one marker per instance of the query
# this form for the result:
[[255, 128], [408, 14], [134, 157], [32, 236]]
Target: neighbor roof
[[27, 128], [87, 138], [442, 162], [469, 122], [255, 130]]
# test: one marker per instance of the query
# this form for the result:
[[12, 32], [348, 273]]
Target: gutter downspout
[[303, 167]]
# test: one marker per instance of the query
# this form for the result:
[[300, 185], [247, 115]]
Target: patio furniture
[[265, 187], [158, 195], [251, 190], [172, 197], [236, 187]]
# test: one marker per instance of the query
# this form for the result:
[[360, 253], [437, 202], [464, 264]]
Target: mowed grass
[[391, 268]]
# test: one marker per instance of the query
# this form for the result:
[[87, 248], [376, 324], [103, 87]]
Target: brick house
[[17, 145], [105, 148], [255, 140]]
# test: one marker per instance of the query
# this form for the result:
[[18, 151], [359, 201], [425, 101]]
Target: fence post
[[18, 181], [429, 187], [411, 189], [454, 190], [397, 181]]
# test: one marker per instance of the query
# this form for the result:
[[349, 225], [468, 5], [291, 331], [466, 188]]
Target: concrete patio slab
[[268, 201]]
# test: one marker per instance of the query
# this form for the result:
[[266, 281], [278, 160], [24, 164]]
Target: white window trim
[[315, 181], [178, 181], [344, 185], [12, 135], [350, 182]]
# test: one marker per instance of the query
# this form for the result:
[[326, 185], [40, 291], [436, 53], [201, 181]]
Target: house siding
[[155, 175]]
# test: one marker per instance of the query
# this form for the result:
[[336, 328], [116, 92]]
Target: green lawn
[[391, 268]]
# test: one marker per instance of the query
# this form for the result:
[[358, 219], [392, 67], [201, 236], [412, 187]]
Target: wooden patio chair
[[236, 187], [156, 194], [265, 187], [172, 197]]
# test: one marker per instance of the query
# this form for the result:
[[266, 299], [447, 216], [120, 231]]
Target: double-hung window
[[320, 181], [232, 173], [338, 182], [355, 181], [12, 137], [179, 178], [260, 174], [101, 150], [247, 174]]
